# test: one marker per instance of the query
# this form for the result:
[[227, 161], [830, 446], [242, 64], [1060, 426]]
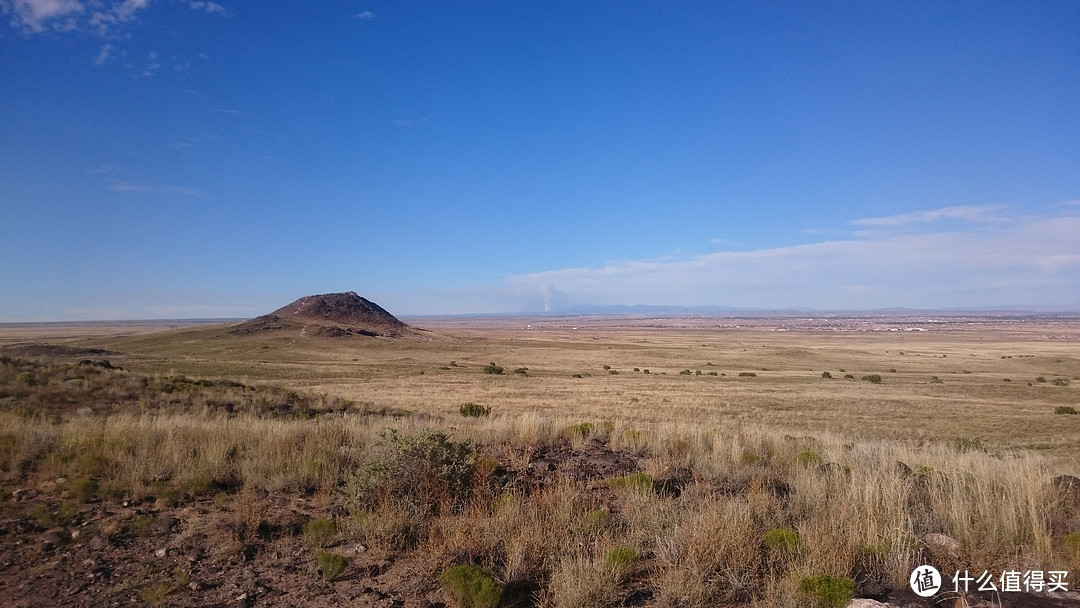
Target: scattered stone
[[939, 543], [868, 603], [161, 552], [164, 525]]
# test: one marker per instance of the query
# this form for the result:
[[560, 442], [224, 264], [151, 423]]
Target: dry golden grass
[[785, 450], [970, 397]]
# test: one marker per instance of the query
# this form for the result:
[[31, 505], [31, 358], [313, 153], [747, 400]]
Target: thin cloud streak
[[967, 213], [130, 187], [1033, 261]]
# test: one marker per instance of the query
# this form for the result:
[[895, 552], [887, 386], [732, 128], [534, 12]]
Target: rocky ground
[[248, 549]]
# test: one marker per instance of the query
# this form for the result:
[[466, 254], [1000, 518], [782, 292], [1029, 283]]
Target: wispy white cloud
[[1022, 261], [414, 122], [106, 52], [232, 112], [967, 213], [100, 16], [41, 15], [365, 15], [122, 186], [209, 7]]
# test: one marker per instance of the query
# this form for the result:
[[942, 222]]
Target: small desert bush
[[426, 468], [872, 378], [808, 458], [492, 368], [580, 430], [83, 489], [747, 374], [827, 591], [826, 375], [1065, 409], [621, 559], [968, 444], [782, 539], [471, 587], [320, 532], [637, 482], [473, 410], [1060, 382], [330, 565]]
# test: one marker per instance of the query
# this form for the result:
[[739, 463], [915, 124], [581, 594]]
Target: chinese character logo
[[925, 581]]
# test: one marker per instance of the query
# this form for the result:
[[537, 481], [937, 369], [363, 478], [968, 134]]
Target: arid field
[[607, 461]]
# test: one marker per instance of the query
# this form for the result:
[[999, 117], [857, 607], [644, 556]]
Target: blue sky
[[179, 158]]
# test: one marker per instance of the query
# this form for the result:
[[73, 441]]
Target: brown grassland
[[625, 461]]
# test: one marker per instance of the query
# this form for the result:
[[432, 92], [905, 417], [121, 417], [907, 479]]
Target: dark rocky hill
[[331, 315]]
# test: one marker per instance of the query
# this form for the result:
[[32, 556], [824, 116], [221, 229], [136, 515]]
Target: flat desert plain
[[992, 379]]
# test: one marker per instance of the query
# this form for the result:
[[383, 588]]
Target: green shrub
[[581, 429], [154, 595], [320, 532], [967, 444], [1065, 409], [67, 513], [471, 587], [750, 458], [634, 481], [1071, 541], [596, 520], [808, 458], [491, 368], [826, 375], [747, 375], [330, 564], [473, 410], [140, 525], [621, 559], [828, 591], [782, 539], [83, 489], [872, 378], [426, 470]]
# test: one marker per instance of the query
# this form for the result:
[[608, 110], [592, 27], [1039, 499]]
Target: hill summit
[[332, 315]]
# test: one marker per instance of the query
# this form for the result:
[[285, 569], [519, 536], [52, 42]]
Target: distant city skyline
[[192, 159]]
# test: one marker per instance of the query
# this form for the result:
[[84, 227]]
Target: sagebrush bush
[[471, 587], [782, 539], [320, 532], [473, 410], [872, 378], [330, 565], [1065, 409], [828, 591], [425, 468]]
